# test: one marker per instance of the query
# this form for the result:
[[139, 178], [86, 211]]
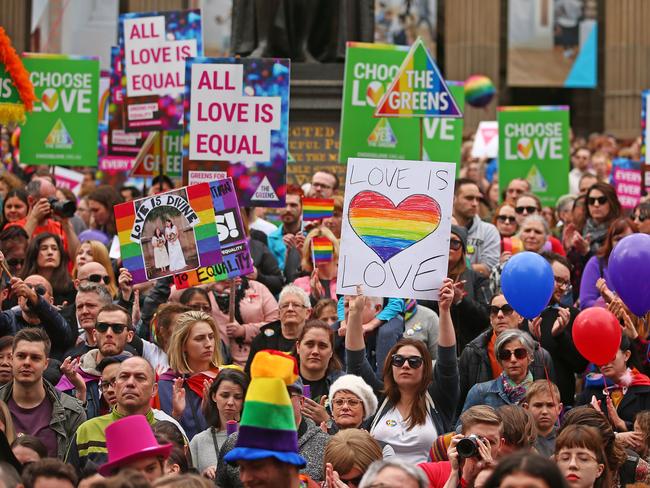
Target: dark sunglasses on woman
[[506, 309], [398, 361], [601, 200], [520, 353], [455, 244], [506, 218], [528, 210]]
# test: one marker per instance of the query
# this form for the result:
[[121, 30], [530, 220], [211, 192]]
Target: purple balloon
[[629, 271]]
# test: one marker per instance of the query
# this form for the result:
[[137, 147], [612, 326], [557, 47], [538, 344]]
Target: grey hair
[[395, 462], [536, 218], [100, 290], [565, 202], [510, 335], [33, 188], [295, 291]]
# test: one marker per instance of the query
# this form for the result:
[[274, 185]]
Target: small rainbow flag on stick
[[317, 208], [322, 250]]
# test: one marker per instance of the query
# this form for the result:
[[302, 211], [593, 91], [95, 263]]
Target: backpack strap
[[380, 412]]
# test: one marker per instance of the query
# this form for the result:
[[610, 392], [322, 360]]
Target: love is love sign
[[534, 145], [396, 227]]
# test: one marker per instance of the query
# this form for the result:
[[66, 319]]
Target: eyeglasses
[[528, 210], [580, 457], [398, 361], [352, 402], [506, 309], [520, 353], [286, 305], [561, 282], [97, 278], [601, 200], [640, 218], [455, 244], [102, 327], [105, 385], [13, 262], [506, 219], [39, 289]]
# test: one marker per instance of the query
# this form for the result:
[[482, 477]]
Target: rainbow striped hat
[[268, 427]]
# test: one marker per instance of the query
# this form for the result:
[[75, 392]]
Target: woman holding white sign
[[176, 258], [418, 401]]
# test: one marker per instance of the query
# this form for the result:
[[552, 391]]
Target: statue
[[302, 30]]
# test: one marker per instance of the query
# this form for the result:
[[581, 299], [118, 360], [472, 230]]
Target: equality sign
[[534, 145], [154, 48], [238, 121], [237, 260], [396, 227], [120, 142], [486, 140], [63, 128], [168, 233], [369, 70]]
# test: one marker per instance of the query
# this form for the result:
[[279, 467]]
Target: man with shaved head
[[35, 309], [135, 386]]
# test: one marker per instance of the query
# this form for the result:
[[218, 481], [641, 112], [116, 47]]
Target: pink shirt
[[303, 282]]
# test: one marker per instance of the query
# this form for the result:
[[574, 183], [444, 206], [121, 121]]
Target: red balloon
[[597, 335]]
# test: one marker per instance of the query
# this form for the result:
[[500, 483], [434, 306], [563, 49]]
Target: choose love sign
[[63, 128], [154, 48], [237, 121], [396, 227], [534, 145]]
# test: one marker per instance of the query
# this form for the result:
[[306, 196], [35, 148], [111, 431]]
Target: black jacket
[[474, 365], [268, 271], [270, 337], [635, 400]]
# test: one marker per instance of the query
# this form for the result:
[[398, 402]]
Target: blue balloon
[[527, 283], [629, 271]]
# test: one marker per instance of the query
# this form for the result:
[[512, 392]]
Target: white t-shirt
[[411, 445]]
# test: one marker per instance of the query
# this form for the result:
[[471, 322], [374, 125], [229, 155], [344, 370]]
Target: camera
[[467, 447], [62, 208]]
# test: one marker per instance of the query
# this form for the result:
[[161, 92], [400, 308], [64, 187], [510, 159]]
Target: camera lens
[[467, 447]]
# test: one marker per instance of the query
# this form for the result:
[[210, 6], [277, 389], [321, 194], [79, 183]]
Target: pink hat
[[128, 440]]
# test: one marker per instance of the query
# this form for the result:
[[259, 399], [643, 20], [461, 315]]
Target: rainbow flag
[[317, 208], [322, 250]]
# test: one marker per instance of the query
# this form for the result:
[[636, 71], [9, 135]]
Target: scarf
[[194, 381], [632, 377], [516, 393], [597, 232]]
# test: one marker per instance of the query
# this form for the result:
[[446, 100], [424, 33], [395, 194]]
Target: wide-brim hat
[[130, 439]]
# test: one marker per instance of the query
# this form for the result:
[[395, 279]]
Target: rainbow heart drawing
[[388, 229], [524, 148]]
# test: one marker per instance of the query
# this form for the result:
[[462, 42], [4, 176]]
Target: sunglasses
[[506, 309], [455, 244], [39, 289], [102, 327], [97, 278], [520, 353], [530, 210], [601, 200], [640, 218], [13, 262], [398, 361], [506, 218]]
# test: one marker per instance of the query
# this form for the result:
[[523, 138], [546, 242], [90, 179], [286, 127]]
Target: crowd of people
[[106, 383]]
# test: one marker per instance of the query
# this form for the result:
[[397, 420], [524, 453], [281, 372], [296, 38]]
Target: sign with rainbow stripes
[[168, 233], [317, 208], [418, 89], [396, 227], [322, 250], [237, 260]]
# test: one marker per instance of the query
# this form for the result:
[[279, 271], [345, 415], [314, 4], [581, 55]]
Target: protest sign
[[63, 128], [238, 121], [396, 227], [120, 142], [67, 178], [237, 260], [534, 145], [196, 177], [154, 47], [147, 163], [168, 233], [627, 183], [645, 123], [486, 140], [369, 70]]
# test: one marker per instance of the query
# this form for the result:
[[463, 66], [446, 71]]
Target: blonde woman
[[321, 281], [194, 357]]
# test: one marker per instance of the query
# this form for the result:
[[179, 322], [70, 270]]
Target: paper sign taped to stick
[[154, 48], [67, 178], [237, 120], [486, 140], [168, 233], [396, 227], [237, 260]]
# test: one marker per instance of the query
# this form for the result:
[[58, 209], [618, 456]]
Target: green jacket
[[67, 414]]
